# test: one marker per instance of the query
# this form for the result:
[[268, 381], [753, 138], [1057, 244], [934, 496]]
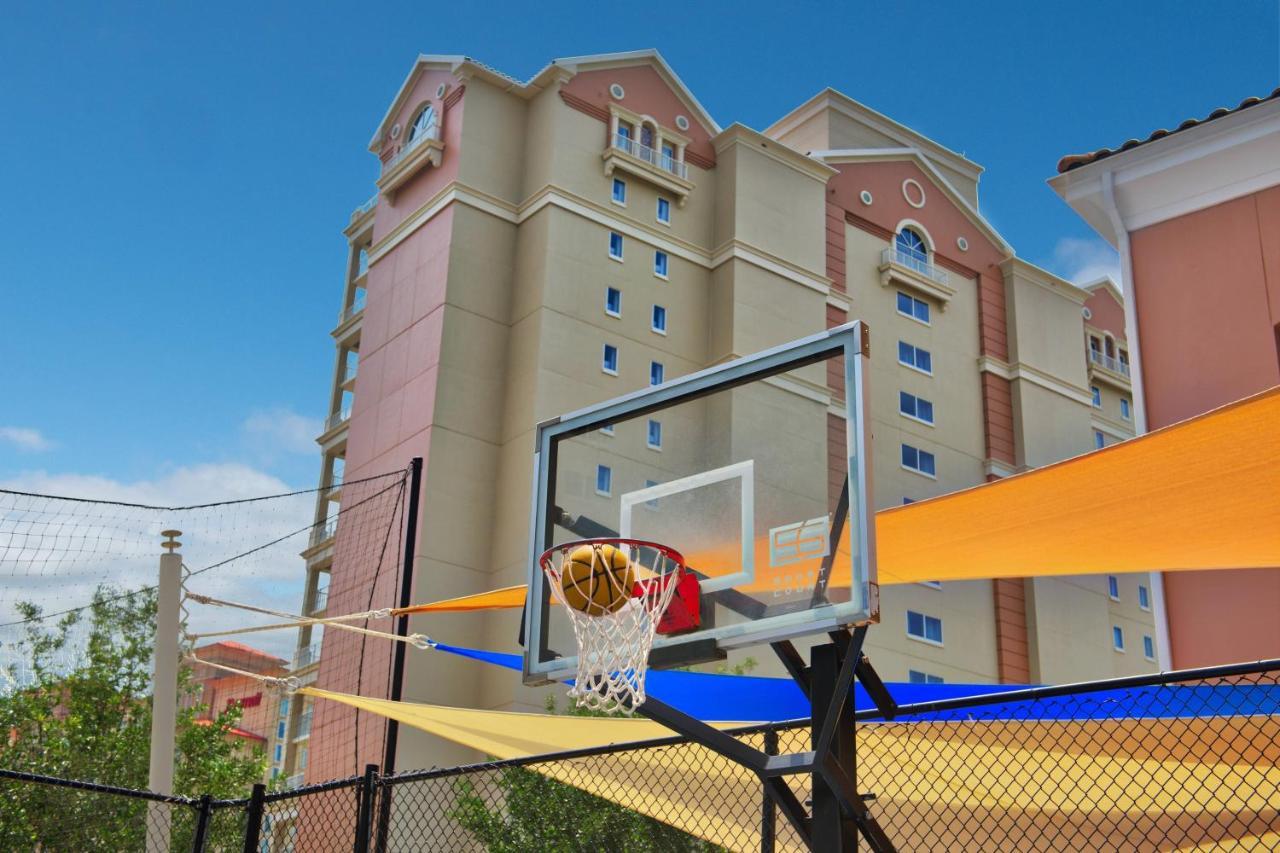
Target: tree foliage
[[87, 716]]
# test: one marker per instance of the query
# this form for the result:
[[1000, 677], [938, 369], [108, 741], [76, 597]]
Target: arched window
[[911, 249], [424, 125]]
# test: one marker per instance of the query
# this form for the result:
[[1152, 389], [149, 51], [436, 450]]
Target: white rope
[[384, 613], [420, 641], [288, 683]]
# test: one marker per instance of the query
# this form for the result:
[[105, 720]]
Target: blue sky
[[176, 176]]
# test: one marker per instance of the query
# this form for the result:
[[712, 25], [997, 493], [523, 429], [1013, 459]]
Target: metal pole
[[364, 817], [832, 830], [204, 812], [164, 690], [253, 823], [401, 630], [769, 812]]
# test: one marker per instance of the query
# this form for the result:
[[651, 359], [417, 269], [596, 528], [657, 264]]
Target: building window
[[656, 373], [1144, 597], [615, 245], [926, 628], [1097, 396], [912, 251], [915, 676], [609, 364], [916, 309], [424, 125], [279, 751], [920, 359], [659, 322], [1113, 587], [1124, 362], [1117, 638], [613, 302], [906, 501], [620, 192], [1148, 648], [664, 211], [1124, 408], [604, 480], [280, 729], [931, 584], [654, 440], [303, 754], [660, 264], [607, 429], [915, 407], [1099, 440], [920, 461], [1095, 345]]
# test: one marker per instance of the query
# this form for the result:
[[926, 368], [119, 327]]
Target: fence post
[[164, 691], [253, 827], [204, 812], [769, 812], [364, 805]]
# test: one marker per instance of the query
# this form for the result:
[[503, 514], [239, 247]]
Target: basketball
[[597, 579]]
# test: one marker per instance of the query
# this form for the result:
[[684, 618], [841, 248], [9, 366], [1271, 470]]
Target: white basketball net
[[613, 648]]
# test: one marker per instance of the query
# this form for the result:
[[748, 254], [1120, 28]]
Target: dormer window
[[907, 263], [421, 147], [640, 146]]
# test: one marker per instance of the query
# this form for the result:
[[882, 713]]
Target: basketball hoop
[[615, 592]]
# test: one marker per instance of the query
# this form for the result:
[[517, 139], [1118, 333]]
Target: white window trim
[[920, 473], [1115, 597], [604, 367], [910, 636], [1120, 649], [625, 188], [666, 275], [608, 430], [929, 424], [652, 326], [1147, 607], [658, 219], [617, 314], [622, 244], [926, 323], [608, 493], [1144, 648], [1098, 396], [1125, 405], [931, 584], [919, 370]]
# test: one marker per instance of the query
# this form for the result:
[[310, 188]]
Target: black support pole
[[832, 829], [203, 812], [364, 806], [401, 630], [769, 812], [253, 823]]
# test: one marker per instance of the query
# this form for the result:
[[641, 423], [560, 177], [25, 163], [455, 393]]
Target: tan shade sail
[[1201, 494]]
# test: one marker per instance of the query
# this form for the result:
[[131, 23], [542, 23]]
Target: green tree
[[529, 811], [87, 716]]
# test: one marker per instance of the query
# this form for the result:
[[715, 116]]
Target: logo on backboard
[[802, 540]]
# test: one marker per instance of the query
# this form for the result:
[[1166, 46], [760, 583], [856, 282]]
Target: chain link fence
[[1189, 760]]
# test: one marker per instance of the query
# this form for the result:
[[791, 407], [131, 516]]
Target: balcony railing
[[364, 208], [323, 532], [337, 419], [294, 781], [432, 132], [1115, 365], [350, 373], [306, 657], [651, 156], [304, 726], [905, 259], [351, 310], [321, 600]]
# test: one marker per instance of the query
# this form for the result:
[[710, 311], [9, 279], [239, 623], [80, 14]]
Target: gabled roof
[[834, 99], [552, 70], [875, 155], [1105, 283], [1074, 161]]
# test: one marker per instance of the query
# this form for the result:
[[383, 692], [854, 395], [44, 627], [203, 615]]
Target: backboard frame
[[850, 342]]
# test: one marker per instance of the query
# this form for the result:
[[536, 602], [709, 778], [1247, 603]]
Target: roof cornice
[[739, 134]]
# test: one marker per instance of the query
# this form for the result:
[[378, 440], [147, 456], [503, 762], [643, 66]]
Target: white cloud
[[1084, 260], [282, 430], [56, 553], [25, 439]]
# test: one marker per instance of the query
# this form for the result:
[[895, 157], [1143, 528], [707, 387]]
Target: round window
[[617, 91]]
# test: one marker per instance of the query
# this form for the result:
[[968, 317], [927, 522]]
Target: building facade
[[1195, 216], [263, 711], [535, 247]]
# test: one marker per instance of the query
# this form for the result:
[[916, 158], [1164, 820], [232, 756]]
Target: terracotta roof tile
[[1072, 161]]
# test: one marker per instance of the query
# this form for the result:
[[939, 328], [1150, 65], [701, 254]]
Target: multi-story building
[[261, 724], [535, 247], [1194, 213]]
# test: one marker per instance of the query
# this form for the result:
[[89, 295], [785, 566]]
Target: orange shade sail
[[1202, 494]]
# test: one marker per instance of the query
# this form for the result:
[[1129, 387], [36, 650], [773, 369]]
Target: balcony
[[1109, 369], [365, 208], [304, 726], [348, 381], [321, 600], [669, 173], [336, 420], [294, 781], [425, 148], [902, 269], [323, 533], [302, 659]]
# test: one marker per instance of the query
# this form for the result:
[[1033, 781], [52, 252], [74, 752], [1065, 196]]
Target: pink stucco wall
[[1107, 313], [391, 420], [1207, 296]]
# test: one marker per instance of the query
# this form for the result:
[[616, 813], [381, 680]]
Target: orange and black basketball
[[596, 579]]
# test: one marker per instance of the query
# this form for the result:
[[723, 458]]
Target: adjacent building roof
[[1073, 161]]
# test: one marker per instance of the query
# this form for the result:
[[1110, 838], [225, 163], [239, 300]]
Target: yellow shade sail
[[1201, 494], [1044, 776]]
